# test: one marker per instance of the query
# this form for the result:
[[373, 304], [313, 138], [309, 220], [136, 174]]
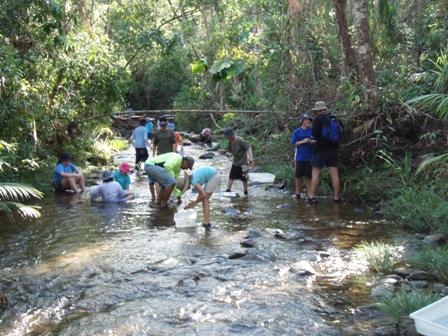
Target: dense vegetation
[[382, 65]]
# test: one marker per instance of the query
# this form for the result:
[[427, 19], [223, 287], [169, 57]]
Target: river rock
[[406, 327], [207, 156], [302, 268], [252, 234], [186, 143], [403, 272], [385, 331], [419, 275], [247, 242], [440, 288], [279, 234], [237, 255], [284, 206], [435, 239], [382, 291]]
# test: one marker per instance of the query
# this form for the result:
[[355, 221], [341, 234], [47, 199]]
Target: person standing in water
[[140, 139], [242, 159], [205, 180], [302, 141], [163, 140]]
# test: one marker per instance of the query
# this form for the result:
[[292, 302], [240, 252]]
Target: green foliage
[[404, 303], [434, 261], [380, 256], [420, 209]]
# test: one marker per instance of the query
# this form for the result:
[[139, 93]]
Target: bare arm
[[201, 195]]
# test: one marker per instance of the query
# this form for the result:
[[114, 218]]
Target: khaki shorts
[[214, 184]]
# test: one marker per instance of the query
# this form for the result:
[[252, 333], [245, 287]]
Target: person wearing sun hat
[[205, 180], [121, 175], [303, 143], [325, 153], [110, 191]]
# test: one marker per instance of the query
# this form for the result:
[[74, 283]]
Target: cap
[[190, 161], [228, 132], [107, 175], [125, 167], [303, 117], [320, 105], [183, 183]]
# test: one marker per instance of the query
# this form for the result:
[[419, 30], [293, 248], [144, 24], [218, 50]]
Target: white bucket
[[185, 218]]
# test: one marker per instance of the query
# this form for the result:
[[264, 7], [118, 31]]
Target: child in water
[[121, 175], [110, 191]]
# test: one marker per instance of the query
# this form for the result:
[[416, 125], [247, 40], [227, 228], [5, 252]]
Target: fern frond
[[15, 191]]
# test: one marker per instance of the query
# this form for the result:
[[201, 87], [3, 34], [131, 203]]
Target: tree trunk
[[349, 66], [365, 58]]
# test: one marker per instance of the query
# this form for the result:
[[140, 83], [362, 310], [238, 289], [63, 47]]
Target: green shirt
[[239, 150], [171, 162], [164, 141]]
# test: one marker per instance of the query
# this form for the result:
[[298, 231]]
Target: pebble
[[237, 255], [253, 234], [207, 156], [281, 235]]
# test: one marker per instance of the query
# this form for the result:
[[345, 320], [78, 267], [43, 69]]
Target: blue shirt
[[123, 179], [305, 151], [140, 136], [62, 168], [149, 127], [202, 175]]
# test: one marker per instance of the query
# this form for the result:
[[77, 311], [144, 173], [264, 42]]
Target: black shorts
[[329, 159], [149, 136], [303, 169], [141, 155], [236, 173]]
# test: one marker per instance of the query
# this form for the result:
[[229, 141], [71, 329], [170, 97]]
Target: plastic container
[[261, 177], [185, 218], [432, 320]]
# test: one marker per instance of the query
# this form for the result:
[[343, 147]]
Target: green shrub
[[379, 255], [433, 261], [119, 144], [403, 303], [421, 210]]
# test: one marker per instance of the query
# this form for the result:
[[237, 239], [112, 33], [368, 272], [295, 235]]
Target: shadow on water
[[125, 269]]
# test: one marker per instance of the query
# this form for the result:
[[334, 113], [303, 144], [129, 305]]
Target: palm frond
[[14, 191], [25, 211], [438, 102]]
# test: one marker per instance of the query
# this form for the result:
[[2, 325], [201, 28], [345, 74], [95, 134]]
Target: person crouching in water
[[205, 180], [302, 141], [67, 176], [110, 191], [121, 175]]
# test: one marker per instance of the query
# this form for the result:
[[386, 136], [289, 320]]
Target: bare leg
[[298, 181], [315, 181], [69, 183], [245, 186], [229, 184], [165, 195], [82, 182], [334, 174], [308, 186], [152, 191], [206, 208]]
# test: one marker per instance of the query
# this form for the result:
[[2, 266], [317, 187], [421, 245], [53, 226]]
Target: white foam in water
[[261, 177], [185, 218]]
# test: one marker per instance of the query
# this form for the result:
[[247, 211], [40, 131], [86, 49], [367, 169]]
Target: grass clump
[[421, 210], [380, 256], [403, 303], [434, 261]]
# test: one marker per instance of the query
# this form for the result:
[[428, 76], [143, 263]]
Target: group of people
[[316, 143]]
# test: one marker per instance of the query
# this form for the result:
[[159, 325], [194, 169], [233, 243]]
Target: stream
[[124, 269]]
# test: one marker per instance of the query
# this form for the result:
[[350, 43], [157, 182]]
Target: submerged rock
[[435, 239], [247, 242], [382, 291], [237, 255], [284, 206], [253, 234], [279, 234], [302, 268], [207, 156]]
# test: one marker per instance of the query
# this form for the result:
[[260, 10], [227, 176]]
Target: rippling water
[[92, 269]]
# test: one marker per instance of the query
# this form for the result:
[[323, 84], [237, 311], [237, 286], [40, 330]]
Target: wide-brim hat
[[107, 175], [183, 183], [319, 106]]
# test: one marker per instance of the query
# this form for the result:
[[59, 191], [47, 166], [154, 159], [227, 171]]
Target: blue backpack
[[332, 129]]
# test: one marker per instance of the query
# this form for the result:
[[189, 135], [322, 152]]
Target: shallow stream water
[[92, 269]]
